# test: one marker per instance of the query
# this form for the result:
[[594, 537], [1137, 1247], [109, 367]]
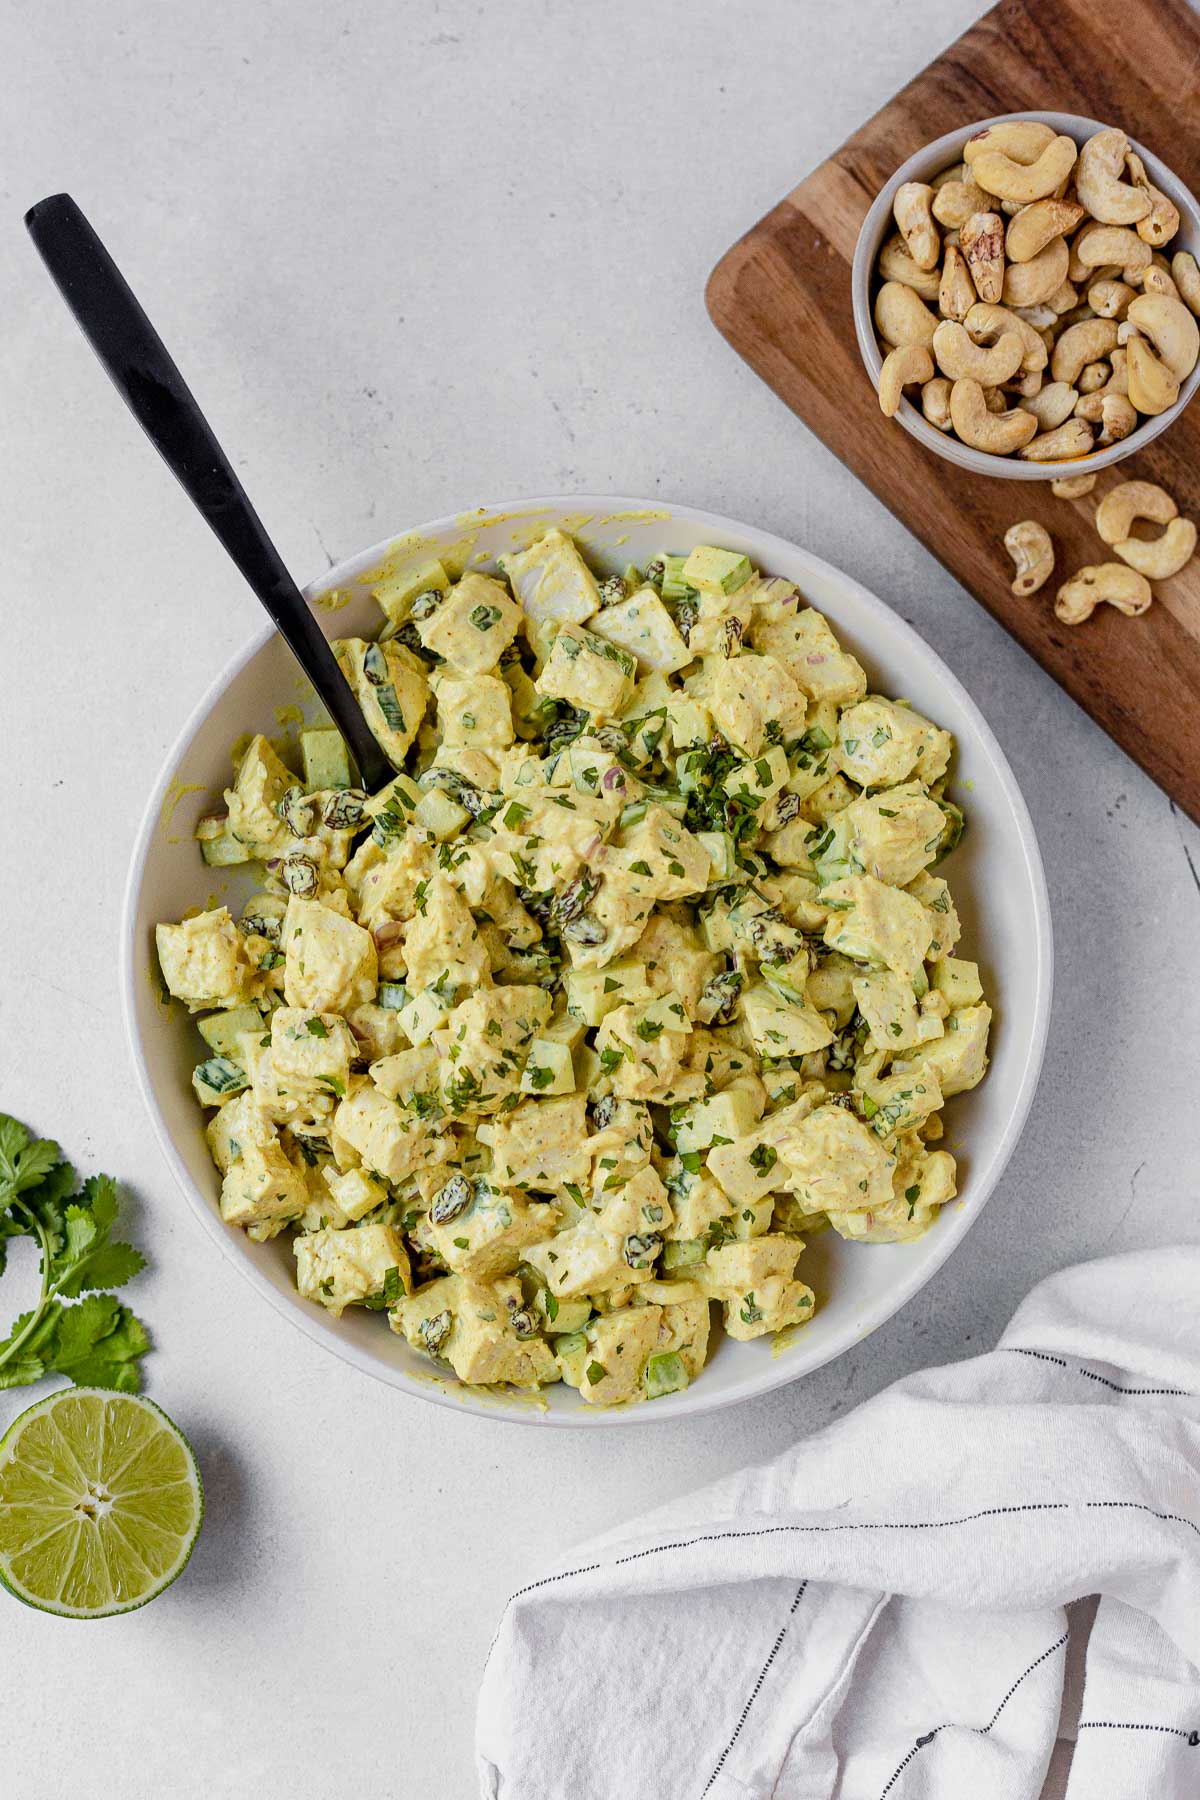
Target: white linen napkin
[[879, 1614]]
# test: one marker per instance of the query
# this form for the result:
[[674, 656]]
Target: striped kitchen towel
[[881, 1613]]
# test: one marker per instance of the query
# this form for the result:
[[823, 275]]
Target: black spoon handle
[[114, 324]]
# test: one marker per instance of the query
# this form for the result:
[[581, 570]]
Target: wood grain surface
[[782, 298]]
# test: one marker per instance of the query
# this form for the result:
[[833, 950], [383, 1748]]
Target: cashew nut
[[1031, 229], [981, 240], [1110, 299], [1025, 386], [1030, 547], [1029, 283], [999, 174], [1159, 281], [1119, 379], [911, 209], [956, 294], [1137, 277], [1187, 278], [1093, 377], [895, 264], [959, 357], [1115, 583], [1072, 487], [1079, 345], [1161, 222], [1097, 244], [1118, 417], [1022, 139], [1131, 500], [992, 255], [999, 433], [1171, 329], [1152, 387], [986, 323], [1063, 299], [1164, 556], [1074, 438], [935, 403], [902, 317], [955, 201], [1052, 405], [1040, 317], [1098, 180], [902, 367]]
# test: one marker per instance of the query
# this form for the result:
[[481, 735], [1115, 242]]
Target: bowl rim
[[696, 1400], [939, 153]]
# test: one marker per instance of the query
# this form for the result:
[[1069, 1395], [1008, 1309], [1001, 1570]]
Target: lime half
[[100, 1503]]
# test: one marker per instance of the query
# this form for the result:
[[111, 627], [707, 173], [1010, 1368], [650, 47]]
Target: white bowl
[[996, 875], [929, 162]]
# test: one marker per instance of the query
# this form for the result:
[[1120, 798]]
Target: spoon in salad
[[110, 317]]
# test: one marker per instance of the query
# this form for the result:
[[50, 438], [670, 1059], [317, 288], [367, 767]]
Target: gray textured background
[[416, 257]]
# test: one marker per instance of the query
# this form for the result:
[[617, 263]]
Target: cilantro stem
[[47, 1293]]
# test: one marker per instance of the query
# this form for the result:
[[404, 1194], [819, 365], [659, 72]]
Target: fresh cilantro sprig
[[96, 1341]]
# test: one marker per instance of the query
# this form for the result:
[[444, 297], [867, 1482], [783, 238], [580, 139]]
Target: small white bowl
[[877, 225], [996, 874]]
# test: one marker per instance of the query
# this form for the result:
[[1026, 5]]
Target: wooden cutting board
[[782, 298]]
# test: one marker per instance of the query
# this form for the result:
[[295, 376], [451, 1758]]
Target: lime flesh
[[100, 1503]]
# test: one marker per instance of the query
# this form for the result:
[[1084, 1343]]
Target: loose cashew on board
[[1072, 487], [1062, 245], [1131, 500], [1030, 546], [1090, 587], [1163, 557]]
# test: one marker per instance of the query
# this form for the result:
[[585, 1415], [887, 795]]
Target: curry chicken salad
[[637, 973]]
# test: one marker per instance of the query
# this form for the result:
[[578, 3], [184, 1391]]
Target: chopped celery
[[214, 1080], [218, 846], [674, 587], [665, 1374], [326, 764], [683, 1253], [222, 1030]]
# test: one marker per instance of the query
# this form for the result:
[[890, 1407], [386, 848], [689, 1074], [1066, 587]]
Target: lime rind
[[101, 1503]]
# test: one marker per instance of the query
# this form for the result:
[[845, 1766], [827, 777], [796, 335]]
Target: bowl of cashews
[[1026, 296]]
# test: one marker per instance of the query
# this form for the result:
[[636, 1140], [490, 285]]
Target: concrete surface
[[414, 257]]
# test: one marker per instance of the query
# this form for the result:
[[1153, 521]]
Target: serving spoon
[[111, 319]]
